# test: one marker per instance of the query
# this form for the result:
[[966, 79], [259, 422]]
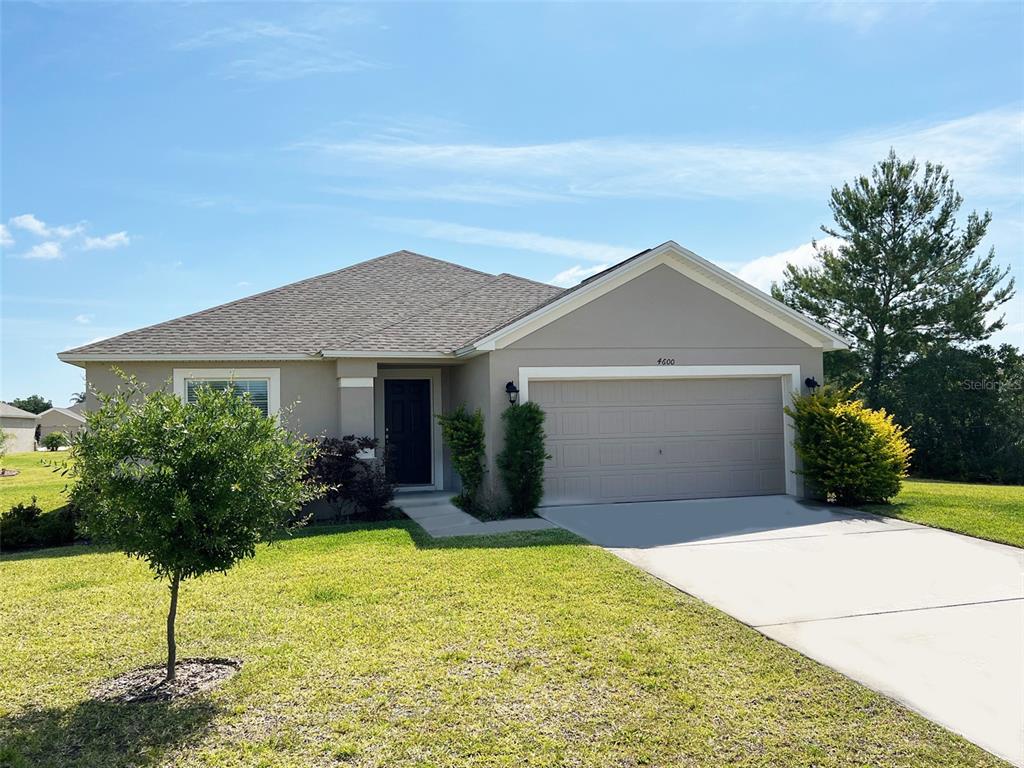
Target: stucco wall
[[309, 390], [55, 421], [21, 434], [660, 314]]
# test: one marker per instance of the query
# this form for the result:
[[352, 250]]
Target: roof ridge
[[272, 291], [529, 280], [438, 261], [429, 308]]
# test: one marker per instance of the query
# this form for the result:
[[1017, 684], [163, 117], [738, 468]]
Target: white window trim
[[436, 445], [272, 376], [789, 376]]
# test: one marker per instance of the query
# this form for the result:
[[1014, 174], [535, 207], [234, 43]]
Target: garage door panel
[[620, 440]]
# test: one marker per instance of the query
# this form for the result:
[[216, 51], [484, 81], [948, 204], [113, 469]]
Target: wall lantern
[[512, 391], [811, 383]]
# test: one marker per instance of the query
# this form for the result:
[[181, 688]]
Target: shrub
[[344, 477], [463, 433], [851, 454], [191, 488], [26, 526], [54, 440], [371, 490], [521, 462]]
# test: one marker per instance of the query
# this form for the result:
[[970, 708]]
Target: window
[[262, 385], [258, 390]]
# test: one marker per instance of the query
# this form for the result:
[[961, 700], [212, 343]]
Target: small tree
[[521, 462], [463, 433], [191, 488]]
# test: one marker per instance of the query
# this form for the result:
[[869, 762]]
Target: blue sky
[[159, 159]]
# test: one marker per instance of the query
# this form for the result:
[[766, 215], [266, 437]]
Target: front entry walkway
[[931, 618], [435, 513]]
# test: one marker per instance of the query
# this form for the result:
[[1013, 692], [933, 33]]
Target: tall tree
[[32, 403], [905, 278]]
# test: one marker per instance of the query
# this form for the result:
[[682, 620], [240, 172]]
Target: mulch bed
[[191, 676]]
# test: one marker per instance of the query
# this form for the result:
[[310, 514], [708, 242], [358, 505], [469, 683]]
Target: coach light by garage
[[513, 392]]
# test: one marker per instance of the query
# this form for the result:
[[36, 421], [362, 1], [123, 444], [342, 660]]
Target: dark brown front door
[[407, 429]]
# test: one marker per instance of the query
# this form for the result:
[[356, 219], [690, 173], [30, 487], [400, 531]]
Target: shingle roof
[[71, 414], [9, 411], [400, 302]]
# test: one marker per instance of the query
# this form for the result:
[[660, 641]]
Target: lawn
[[33, 479], [376, 646], [994, 512]]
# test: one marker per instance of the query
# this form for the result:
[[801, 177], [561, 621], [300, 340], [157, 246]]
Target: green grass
[[33, 479], [994, 512], [375, 646]]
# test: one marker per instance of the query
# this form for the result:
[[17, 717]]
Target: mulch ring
[[8, 472], [191, 676]]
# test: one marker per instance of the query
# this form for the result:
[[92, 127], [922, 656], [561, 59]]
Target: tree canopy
[[190, 488], [33, 403], [905, 278]]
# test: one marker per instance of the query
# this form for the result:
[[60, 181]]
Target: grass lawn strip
[[376, 646]]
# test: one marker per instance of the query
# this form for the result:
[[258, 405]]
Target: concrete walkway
[[435, 513], [931, 618]]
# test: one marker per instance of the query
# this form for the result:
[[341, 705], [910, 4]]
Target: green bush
[[463, 433], [26, 526], [54, 440], [851, 454], [521, 462]]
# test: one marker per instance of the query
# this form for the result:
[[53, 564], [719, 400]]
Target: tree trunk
[[875, 373], [172, 650]]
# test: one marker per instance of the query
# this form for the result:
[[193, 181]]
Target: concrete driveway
[[930, 618]]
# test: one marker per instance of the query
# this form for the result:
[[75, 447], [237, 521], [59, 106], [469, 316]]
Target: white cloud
[[30, 223], [106, 242], [271, 51], [981, 151], [243, 284], [46, 251], [764, 271], [55, 237], [6, 241], [574, 274], [83, 319], [521, 241]]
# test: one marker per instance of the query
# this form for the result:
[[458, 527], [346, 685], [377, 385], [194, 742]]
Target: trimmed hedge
[[463, 433], [851, 454], [521, 462]]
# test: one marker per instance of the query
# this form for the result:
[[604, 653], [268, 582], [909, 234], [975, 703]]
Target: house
[[20, 427], [662, 377], [66, 420]]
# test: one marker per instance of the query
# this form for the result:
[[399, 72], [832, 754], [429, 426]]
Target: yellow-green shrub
[[851, 454]]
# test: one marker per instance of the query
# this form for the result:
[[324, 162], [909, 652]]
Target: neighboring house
[[65, 420], [662, 377], [20, 426]]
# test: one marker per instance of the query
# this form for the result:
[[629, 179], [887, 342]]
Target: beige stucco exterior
[[21, 433], [55, 421], [660, 314]]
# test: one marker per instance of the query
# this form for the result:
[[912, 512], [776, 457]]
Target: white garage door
[[641, 440]]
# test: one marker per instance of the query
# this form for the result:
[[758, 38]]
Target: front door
[[407, 430]]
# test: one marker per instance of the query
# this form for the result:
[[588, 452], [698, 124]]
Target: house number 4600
[[666, 361]]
